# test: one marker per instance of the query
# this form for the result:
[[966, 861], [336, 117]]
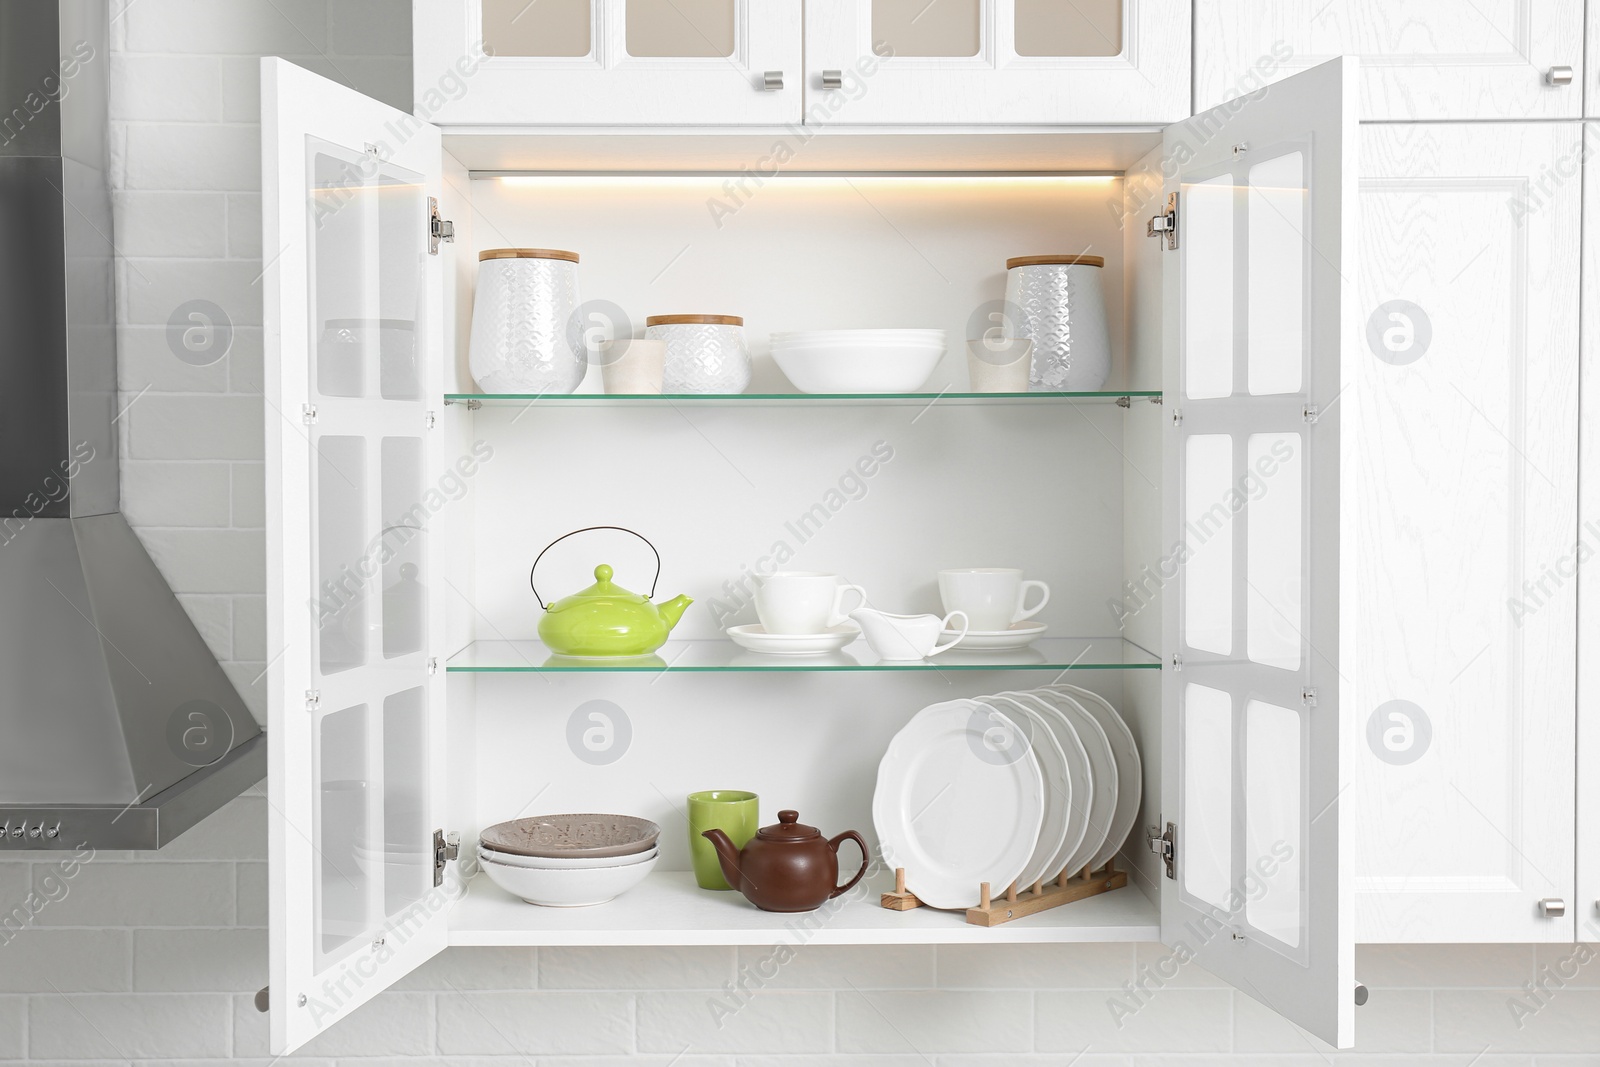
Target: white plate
[[1102, 762], [1130, 770], [1019, 635], [1038, 735], [957, 803], [563, 863], [1078, 770], [756, 639]]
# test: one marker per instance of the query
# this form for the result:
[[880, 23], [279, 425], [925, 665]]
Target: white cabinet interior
[[1421, 59], [1463, 404]]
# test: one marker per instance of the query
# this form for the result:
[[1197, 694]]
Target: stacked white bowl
[[858, 361], [569, 861]]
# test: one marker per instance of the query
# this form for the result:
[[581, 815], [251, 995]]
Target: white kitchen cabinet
[[1420, 59], [996, 61], [1585, 910], [607, 62], [405, 510], [1463, 413]]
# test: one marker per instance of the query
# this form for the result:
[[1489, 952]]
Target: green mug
[[734, 812]]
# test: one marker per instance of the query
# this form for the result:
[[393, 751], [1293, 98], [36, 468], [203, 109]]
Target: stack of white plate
[[1016, 787], [858, 361]]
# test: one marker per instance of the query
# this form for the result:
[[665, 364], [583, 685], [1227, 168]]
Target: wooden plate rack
[[1015, 904]]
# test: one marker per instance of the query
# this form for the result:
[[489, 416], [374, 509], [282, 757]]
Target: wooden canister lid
[[527, 253], [1039, 261], [703, 320]]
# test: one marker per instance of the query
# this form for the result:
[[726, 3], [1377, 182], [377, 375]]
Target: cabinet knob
[[1361, 994], [1553, 907], [772, 81], [833, 79], [1560, 75]]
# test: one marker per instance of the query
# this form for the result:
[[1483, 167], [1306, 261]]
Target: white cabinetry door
[[996, 61], [1586, 909], [1420, 59], [1462, 413], [1258, 291], [353, 304], [606, 62]]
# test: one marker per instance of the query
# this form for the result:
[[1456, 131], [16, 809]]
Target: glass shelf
[[1046, 654], [1119, 396]]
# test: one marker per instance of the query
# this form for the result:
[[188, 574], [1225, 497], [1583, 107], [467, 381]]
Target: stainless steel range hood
[[118, 729]]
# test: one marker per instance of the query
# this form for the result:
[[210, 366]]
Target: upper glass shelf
[[1115, 396], [1046, 654]]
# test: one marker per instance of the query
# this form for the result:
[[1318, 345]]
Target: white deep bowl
[[566, 887], [868, 364], [559, 863]]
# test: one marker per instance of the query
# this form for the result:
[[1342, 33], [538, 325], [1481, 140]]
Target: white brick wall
[[152, 960]]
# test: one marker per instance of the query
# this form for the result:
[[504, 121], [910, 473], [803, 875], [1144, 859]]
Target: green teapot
[[605, 619]]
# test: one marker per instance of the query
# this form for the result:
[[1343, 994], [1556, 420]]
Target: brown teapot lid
[[788, 828]]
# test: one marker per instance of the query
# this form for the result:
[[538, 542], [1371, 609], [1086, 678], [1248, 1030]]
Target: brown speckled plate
[[586, 835]]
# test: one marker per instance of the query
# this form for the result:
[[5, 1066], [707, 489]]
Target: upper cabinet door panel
[[1462, 415], [1003, 62], [1254, 757], [1587, 907], [1420, 59], [607, 62]]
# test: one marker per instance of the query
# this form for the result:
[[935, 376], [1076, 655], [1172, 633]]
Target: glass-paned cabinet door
[[1257, 277], [996, 61], [608, 62], [353, 306]]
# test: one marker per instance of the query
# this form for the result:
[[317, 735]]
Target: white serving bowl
[[562, 863], [566, 887], [871, 363]]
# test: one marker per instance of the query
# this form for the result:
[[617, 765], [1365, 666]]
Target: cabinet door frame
[[457, 84], [1309, 980], [309, 994], [1148, 82], [1585, 910], [1240, 45]]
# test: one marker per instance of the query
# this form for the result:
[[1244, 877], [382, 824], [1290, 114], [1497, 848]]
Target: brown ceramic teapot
[[787, 866]]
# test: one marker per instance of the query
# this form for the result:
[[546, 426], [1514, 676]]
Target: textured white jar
[[526, 334], [1060, 304], [705, 353]]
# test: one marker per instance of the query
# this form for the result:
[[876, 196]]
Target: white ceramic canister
[[705, 353], [526, 335], [1060, 304]]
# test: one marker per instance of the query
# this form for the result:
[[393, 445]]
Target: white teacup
[[804, 602], [991, 597], [897, 637]]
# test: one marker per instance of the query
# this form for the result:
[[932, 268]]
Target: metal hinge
[[308, 414], [1177, 662], [439, 228], [1165, 845], [1166, 225], [446, 847], [1310, 412], [1177, 416], [433, 665], [313, 699], [1308, 696], [430, 420]]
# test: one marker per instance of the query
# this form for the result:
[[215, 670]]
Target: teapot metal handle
[[586, 529]]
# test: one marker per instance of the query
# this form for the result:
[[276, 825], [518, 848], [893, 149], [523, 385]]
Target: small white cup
[[803, 602], [632, 364], [999, 364], [991, 597]]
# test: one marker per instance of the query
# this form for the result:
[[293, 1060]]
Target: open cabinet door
[[1258, 291], [353, 304]]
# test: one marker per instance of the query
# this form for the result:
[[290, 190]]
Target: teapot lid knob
[[603, 572], [787, 817]]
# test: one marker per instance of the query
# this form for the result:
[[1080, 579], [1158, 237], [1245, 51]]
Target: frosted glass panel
[[405, 600], [1273, 540], [536, 27], [407, 838], [1208, 504], [1277, 208], [344, 818], [680, 27], [926, 27], [341, 234], [1075, 28], [1274, 843], [401, 202], [1205, 840], [1206, 223], [342, 536]]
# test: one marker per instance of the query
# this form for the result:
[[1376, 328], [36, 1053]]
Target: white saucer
[[1020, 635], [756, 639]]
